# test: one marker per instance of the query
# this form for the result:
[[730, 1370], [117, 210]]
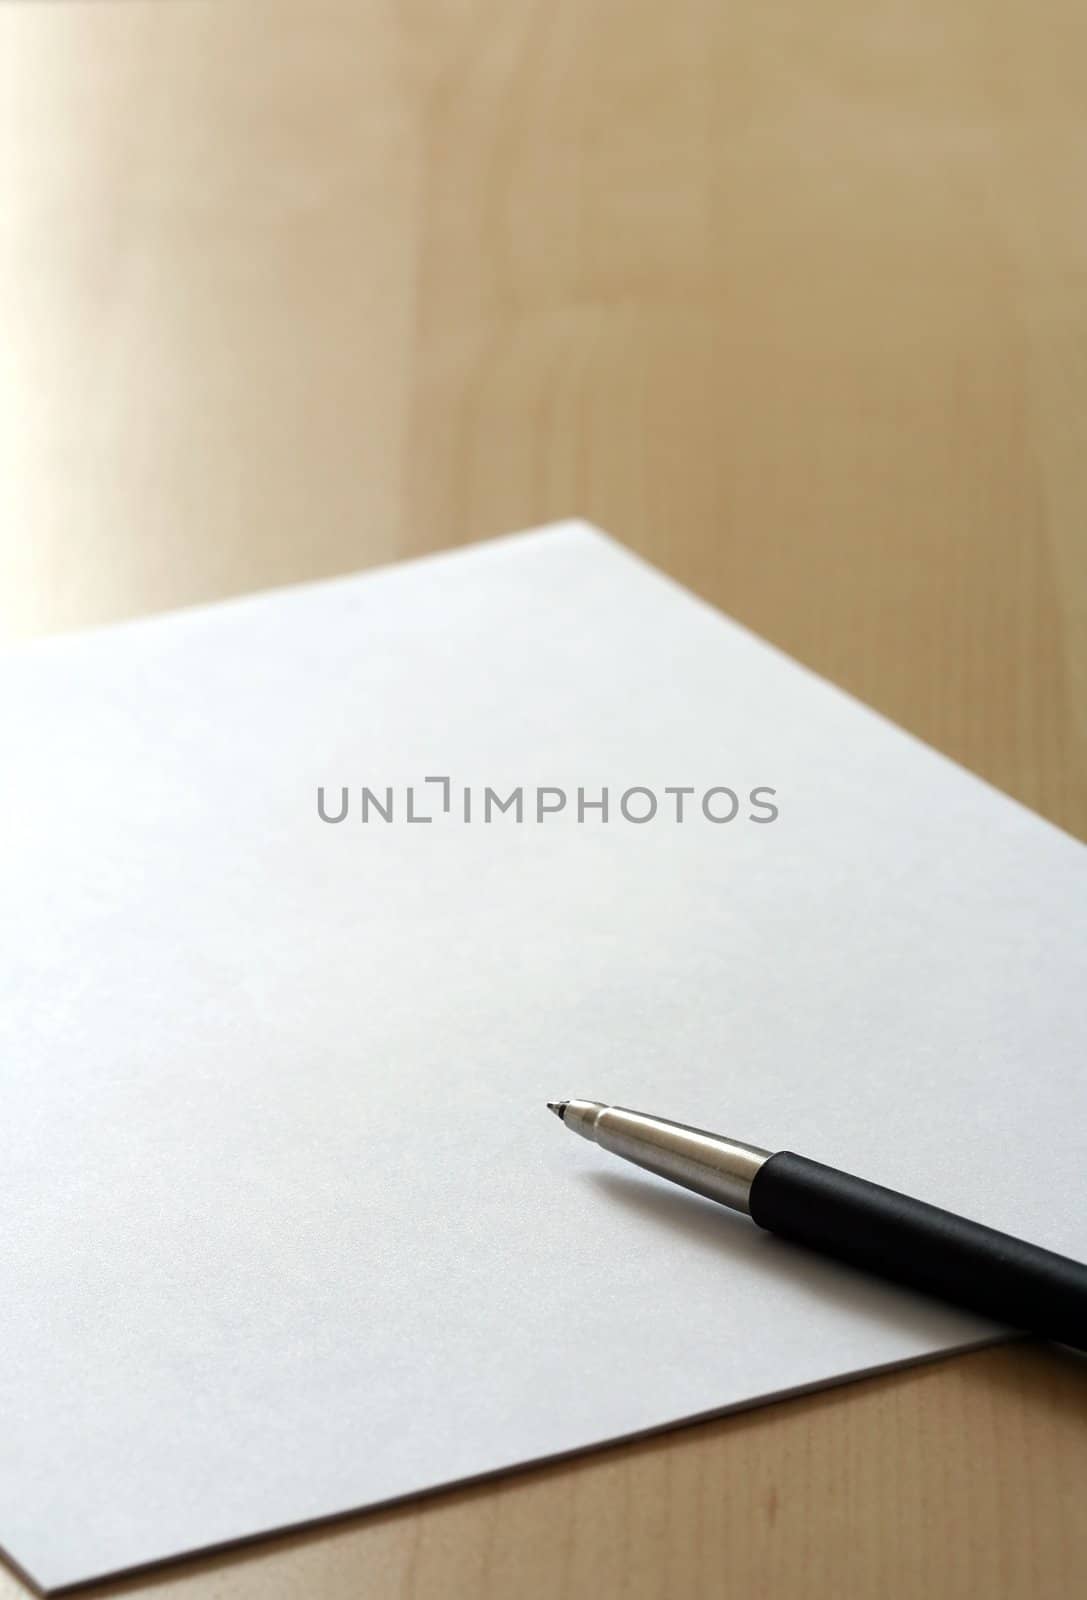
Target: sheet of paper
[[286, 1227]]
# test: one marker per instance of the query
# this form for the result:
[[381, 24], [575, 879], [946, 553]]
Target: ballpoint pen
[[876, 1229]]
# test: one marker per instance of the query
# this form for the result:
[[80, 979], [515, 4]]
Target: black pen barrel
[[921, 1245]]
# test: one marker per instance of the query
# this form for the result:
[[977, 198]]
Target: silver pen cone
[[721, 1169]]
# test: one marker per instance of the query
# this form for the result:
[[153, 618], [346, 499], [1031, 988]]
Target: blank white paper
[[286, 1227]]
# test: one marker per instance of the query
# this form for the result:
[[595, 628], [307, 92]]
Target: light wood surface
[[790, 297]]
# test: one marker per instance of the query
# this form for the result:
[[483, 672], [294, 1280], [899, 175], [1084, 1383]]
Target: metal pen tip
[[558, 1107]]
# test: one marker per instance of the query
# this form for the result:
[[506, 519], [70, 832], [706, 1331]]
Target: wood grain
[[793, 299]]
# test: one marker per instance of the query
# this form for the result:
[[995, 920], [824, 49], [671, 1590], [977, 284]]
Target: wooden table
[[792, 298]]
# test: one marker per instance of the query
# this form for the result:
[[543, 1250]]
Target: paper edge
[[564, 527], [32, 643], [160, 1565]]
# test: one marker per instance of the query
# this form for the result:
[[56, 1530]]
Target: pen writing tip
[[558, 1107]]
